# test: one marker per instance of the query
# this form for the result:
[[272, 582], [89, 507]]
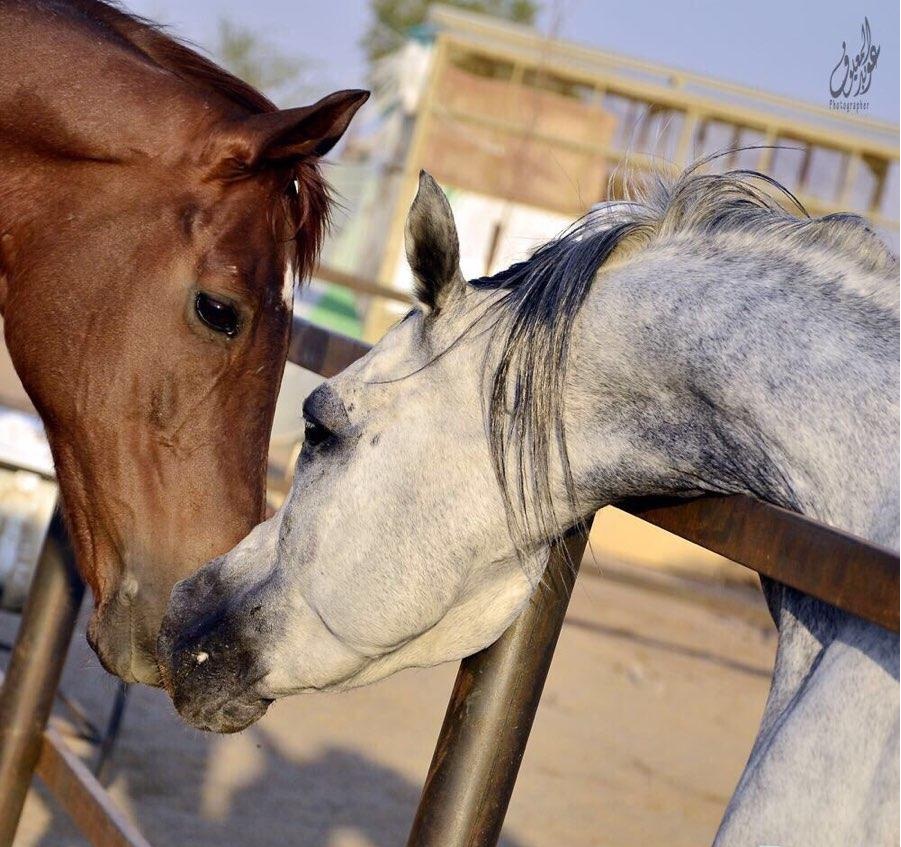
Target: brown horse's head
[[147, 223]]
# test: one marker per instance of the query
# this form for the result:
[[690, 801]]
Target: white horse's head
[[437, 468], [393, 549]]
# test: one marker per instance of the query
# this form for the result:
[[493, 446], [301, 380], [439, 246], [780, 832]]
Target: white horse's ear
[[433, 250]]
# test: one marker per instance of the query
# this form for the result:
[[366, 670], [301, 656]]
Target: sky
[[784, 46]]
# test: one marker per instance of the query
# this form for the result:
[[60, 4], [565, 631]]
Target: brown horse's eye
[[217, 314]]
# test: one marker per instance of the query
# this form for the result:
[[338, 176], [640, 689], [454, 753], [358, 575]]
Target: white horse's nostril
[[201, 657]]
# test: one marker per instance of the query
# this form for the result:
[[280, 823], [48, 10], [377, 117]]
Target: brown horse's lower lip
[[118, 639], [130, 670], [147, 673]]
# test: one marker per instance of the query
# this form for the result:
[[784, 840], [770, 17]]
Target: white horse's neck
[[738, 372]]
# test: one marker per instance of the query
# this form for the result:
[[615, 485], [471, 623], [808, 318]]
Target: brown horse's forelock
[[310, 210], [306, 212]]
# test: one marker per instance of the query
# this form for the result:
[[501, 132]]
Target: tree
[[251, 58], [393, 19]]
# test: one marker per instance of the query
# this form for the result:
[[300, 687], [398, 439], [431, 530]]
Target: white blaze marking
[[288, 291], [201, 657]]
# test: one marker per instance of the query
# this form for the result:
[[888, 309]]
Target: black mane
[[543, 295]]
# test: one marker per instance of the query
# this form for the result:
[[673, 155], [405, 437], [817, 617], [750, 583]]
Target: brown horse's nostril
[[130, 588]]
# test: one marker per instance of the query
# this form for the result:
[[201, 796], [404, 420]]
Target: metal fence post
[[36, 664], [489, 718]]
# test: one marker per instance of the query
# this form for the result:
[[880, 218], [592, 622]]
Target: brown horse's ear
[[306, 132]]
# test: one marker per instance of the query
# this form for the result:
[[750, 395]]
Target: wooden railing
[[360, 284], [497, 691]]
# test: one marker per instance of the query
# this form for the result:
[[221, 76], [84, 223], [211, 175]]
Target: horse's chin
[[123, 645], [133, 667], [232, 716], [199, 709]]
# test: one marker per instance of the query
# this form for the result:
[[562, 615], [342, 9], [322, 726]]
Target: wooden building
[[521, 128]]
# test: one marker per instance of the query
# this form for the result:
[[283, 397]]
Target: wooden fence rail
[[497, 691]]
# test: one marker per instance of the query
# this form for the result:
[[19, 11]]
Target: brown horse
[[150, 205]]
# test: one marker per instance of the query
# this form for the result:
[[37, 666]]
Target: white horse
[[703, 340]]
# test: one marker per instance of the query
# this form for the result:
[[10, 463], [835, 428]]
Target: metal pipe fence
[[497, 691], [35, 667]]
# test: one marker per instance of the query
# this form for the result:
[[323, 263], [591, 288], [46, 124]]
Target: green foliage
[[393, 19], [251, 58]]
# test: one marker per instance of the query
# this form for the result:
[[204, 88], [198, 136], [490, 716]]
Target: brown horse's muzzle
[[122, 632]]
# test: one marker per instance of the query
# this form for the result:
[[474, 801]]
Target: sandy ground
[[648, 715]]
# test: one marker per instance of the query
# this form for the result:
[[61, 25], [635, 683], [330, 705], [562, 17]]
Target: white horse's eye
[[315, 433], [323, 405]]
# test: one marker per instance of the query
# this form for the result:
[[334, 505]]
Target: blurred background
[[527, 112]]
